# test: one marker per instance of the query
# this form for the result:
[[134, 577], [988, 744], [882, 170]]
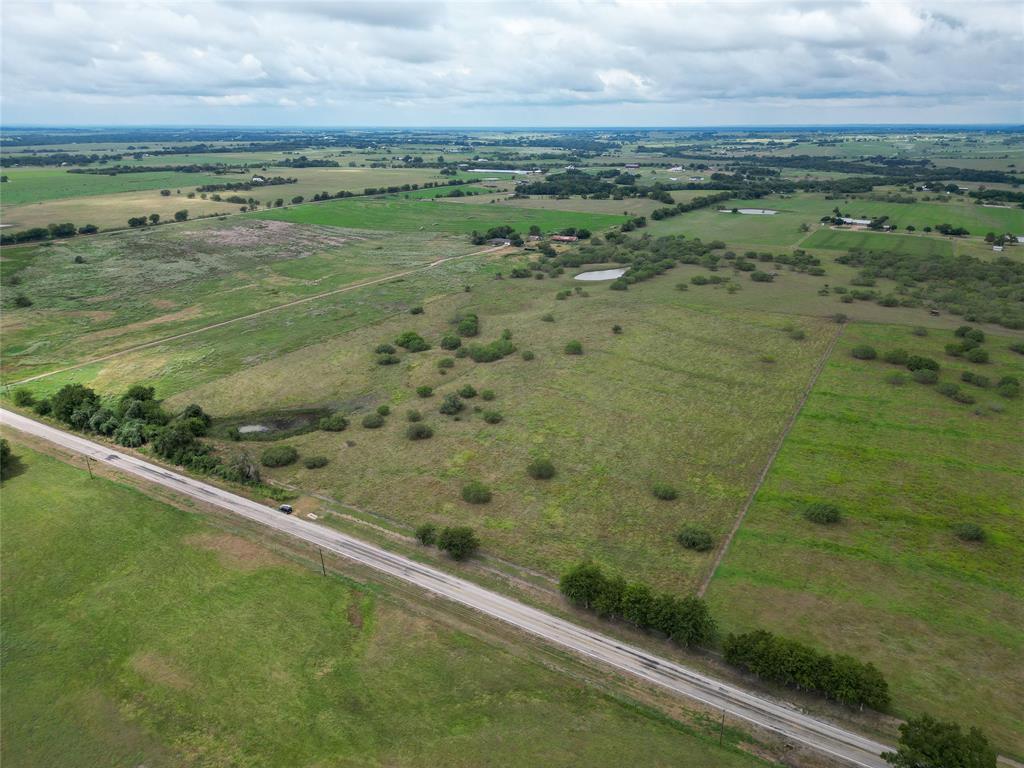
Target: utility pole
[[88, 465], [721, 729], [322, 566]]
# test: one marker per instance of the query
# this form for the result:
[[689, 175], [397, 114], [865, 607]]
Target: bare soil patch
[[156, 668], [236, 552]]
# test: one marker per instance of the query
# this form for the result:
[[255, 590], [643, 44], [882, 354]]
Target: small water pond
[[751, 211], [601, 274]]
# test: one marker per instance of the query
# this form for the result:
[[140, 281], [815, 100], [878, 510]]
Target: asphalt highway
[[843, 746]]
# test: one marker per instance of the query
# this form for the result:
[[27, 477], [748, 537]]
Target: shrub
[[412, 341], [451, 405], [962, 331], [896, 356], [540, 469], [493, 417], [487, 394], [977, 355], [896, 379], [917, 363], [384, 349], [468, 325], [43, 407], [419, 431], [925, 376], [23, 397], [373, 421], [459, 542], [822, 513], [839, 318], [476, 492], [1009, 387], [414, 416], [416, 311], [976, 379], [315, 462], [547, 317], [488, 353], [450, 341], [445, 362], [955, 350], [664, 491], [424, 391], [864, 352], [383, 410], [797, 334], [426, 534], [969, 532], [919, 331], [279, 456], [574, 348], [964, 397], [468, 392], [695, 538], [947, 388], [528, 355], [1018, 348], [335, 422], [387, 360]]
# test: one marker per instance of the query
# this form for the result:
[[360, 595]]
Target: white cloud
[[571, 62]]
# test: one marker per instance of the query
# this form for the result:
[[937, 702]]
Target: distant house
[[675, 168], [862, 222], [564, 238], [631, 165], [258, 179], [534, 238], [499, 241], [696, 178], [1020, 238], [997, 248]]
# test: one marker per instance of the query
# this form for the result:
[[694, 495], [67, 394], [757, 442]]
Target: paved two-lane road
[[841, 745]]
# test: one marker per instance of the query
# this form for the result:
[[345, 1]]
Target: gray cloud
[[569, 62]]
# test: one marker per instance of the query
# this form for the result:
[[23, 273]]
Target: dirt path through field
[[275, 308]]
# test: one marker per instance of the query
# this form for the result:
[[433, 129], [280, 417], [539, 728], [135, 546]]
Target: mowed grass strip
[[435, 216], [892, 583], [135, 633], [846, 240]]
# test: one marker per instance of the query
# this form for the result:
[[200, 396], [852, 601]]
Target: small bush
[[426, 534], [412, 341], [664, 491], [574, 348], [528, 355], [419, 431], [414, 416], [969, 532], [314, 462], [460, 542], [966, 398], [767, 358], [23, 397], [919, 331], [475, 492], [947, 388], [548, 317], [451, 341], [468, 392], [279, 456], [424, 391], [839, 318], [917, 363], [493, 417], [797, 334], [696, 539], [616, 329], [445, 362], [388, 360], [383, 410], [864, 352], [487, 394], [925, 376], [451, 405], [822, 513], [416, 311], [540, 469], [976, 379], [384, 349], [373, 421], [896, 356], [977, 355]]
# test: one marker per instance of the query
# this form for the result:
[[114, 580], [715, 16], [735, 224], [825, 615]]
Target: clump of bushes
[[373, 421], [460, 542], [314, 462], [864, 352], [388, 360], [541, 469], [976, 379], [419, 431], [574, 348], [335, 422], [925, 376], [896, 356], [451, 404], [918, 363], [450, 341], [797, 334], [822, 513], [416, 311], [493, 417], [426, 534], [685, 620], [414, 415], [424, 391], [977, 355], [488, 353], [384, 349], [412, 341], [528, 355], [1009, 387], [384, 410], [468, 392], [475, 492], [487, 394], [444, 363], [279, 456], [664, 491], [696, 539], [467, 325], [969, 532]]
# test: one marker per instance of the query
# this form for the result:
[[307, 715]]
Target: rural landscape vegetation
[[747, 398]]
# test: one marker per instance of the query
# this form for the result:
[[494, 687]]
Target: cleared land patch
[[844, 240], [892, 583], [142, 648]]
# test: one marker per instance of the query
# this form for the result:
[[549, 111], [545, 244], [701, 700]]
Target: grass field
[[941, 618], [740, 230], [33, 185], [422, 216], [137, 634], [136, 286], [846, 240]]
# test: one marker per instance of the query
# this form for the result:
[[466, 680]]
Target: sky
[[553, 63]]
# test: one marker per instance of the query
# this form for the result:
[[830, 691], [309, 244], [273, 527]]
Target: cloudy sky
[[486, 63]]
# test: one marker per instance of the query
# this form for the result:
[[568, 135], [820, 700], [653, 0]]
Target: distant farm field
[[430, 216], [942, 618], [138, 634], [845, 240], [32, 185]]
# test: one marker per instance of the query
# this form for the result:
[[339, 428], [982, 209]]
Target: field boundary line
[[222, 323], [771, 460]]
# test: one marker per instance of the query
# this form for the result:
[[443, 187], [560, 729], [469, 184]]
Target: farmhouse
[[564, 238], [847, 220], [258, 179], [499, 241], [631, 165]]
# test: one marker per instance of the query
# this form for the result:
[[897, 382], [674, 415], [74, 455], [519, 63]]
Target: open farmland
[[163, 640], [891, 582], [34, 185], [435, 216], [847, 240]]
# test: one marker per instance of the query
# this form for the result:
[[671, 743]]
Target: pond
[[751, 211], [601, 274], [247, 428]]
